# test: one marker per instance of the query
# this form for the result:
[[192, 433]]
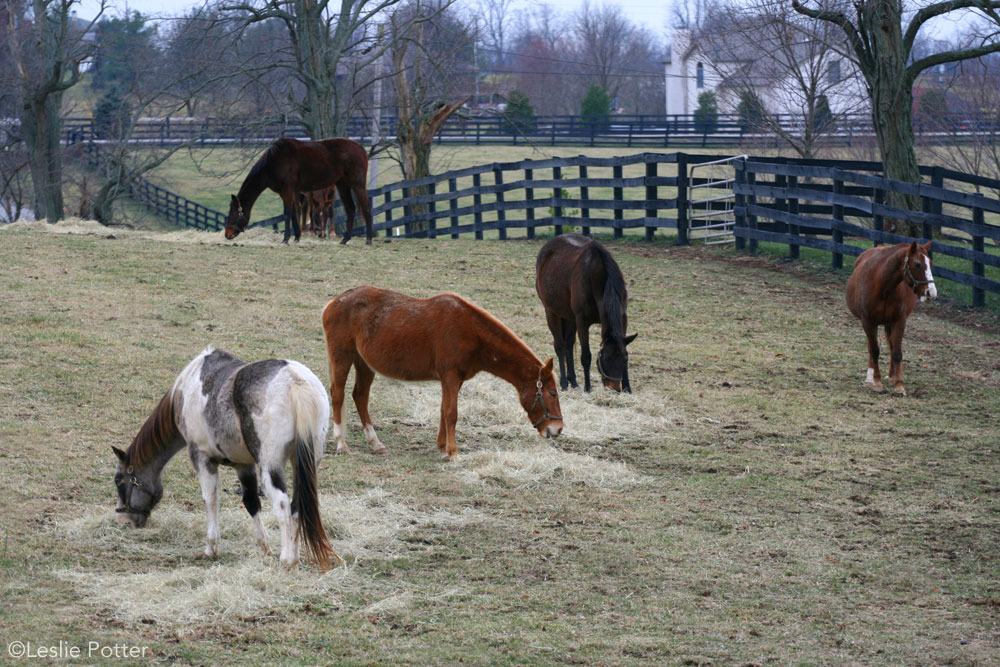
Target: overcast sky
[[653, 15]]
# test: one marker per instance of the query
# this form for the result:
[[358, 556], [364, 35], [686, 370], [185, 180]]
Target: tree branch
[[949, 57], [939, 9]]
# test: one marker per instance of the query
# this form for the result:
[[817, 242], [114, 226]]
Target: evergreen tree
[[596, 104], [706, 116], [751, 110], [124, 49], [822, 115], [519, 117], [111, 117]]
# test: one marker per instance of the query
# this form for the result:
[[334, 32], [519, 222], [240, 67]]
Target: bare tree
[[330, 47], [493, 27], [881, 42], [46, 46], [608, 44], [784, 74]]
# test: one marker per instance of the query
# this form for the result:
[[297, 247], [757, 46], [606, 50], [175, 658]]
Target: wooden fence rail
[[818, 204]]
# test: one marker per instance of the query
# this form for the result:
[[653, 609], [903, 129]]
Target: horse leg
[[339, 371], [349, 209], [874, 378], [361, 194], [363, 378], [583, 332], [557, 327], [569, 336], [273, 480], [251, 501], [450, 384], [208, 478], [894, 333]]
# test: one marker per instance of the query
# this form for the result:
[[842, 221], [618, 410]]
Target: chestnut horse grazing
[[227, 412], [580, 284], [883, 289], [442, 338], [290, 166]]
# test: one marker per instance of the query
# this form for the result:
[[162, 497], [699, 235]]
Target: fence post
[[650, 196], [751, 216], [584, 195], [501, 214], [838, 216], [477, 204], [878, 220], [937, 180], [388, 214], [682, 199], [557, 193], [453, 204], [432, 210], [978, 295], [793, 209], [927, 207], [740, 204], [529, 198], [407, 212], [619, 197], [781, 203]]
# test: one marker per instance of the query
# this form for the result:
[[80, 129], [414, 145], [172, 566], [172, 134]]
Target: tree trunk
[[41, 125]]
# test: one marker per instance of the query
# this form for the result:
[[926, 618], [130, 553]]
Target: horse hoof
[[899, 390], [381, 451], [343, 449]]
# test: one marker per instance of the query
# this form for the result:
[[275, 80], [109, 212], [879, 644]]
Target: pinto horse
[[580, 284], [290, 166], [227, 412], [442, 338], [883, 289]]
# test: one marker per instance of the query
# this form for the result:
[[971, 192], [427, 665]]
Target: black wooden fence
[[812, 203], [654, 131], [817, 205]]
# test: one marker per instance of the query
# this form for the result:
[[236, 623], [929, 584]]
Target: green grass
[[784, 512]]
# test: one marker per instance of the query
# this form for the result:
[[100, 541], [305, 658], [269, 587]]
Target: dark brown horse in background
[[580, 284], [443, 338], [290, 166], [883, 289]]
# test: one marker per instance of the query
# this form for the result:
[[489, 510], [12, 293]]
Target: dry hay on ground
[[257, 236], [244, 582], [542, 465]]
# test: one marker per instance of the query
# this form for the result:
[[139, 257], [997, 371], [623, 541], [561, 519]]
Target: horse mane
[[615, 294], [156, 434], [489, 318], [264, 160]]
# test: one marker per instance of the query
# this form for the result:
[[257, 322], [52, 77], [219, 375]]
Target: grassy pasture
[[751, 503]]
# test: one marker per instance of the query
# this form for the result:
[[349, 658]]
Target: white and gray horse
[[228, 412]]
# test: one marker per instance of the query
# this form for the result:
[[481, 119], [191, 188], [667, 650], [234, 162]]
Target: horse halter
[[604, 375], [910, 278], [132, 483], [538, 400]]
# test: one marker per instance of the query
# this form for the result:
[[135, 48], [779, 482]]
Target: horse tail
[[305, 500], [615, 294]]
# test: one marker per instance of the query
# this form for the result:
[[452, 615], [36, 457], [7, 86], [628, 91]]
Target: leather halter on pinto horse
[[884, 287], [443, 338], [580, 284], [290, 167]]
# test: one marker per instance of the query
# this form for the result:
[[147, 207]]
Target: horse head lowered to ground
[[290, 167], [580, 284], [227, 412], [443, 338]]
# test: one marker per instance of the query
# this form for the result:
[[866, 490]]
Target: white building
[[692, 69]]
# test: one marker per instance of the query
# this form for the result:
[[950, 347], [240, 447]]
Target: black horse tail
[[305, 501], [615, 294]]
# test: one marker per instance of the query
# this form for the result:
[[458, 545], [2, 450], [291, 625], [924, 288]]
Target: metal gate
[[711, 219]]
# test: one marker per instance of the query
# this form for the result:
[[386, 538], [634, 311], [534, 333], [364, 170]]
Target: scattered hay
[[544, 465], [488, 406], [373, 526]]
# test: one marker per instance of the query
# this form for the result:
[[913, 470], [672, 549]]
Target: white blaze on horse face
[[931, 291]]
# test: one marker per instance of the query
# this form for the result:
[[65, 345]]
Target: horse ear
[[629, 339], [548, 365], [913, 248], [119, 453], [927, 247], [234, 200]]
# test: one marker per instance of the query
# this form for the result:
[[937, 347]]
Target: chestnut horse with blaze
[[883, 289], [443, 338], [290, 167]]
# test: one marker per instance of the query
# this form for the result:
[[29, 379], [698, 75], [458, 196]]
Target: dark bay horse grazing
[[580, 284], [883, 289], [227, 412], [290, 166], [442, 338]]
